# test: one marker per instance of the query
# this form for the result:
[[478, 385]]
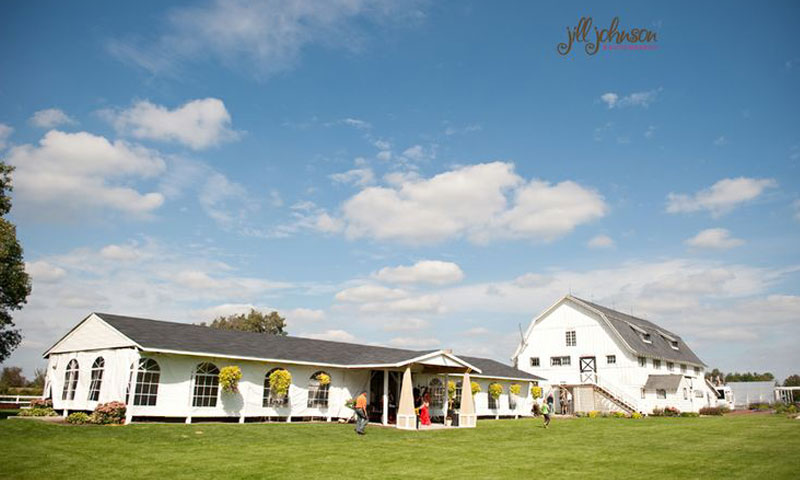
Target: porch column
[[466, 416], [406, 418], [385, 416], [446, 402]]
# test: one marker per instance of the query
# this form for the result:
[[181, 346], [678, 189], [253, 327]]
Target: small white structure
[[166, 370], [748, 393], [596, 358]]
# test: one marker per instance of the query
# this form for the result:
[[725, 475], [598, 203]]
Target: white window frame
[[643, 362], [571, 338], [270, 400], [494, 403], [656, 364], [660, 395], [96, 381], [148, 376], [70, 380], [670, 366], [205, 391], [318, 394]]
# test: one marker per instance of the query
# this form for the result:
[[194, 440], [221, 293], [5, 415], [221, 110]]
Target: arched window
[[493, 402], [97, 379], [206, 385], [271, 400], [70, 380], [436, 392], [318, 390], [147, 378]]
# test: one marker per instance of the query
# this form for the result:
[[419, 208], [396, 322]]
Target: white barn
[[596, 358], [170, 371]]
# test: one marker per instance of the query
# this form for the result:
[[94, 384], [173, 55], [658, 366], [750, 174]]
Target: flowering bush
[[229, 379], [619, 414], [78, 418], [671, 412], [636, 415], [108, 413], [323, 378], [593, 414], [495, 390], [536, 391], [38, 412], [42, 403], [279, 382], [515, 388], [350, 403], [475, 387], [714, 410]]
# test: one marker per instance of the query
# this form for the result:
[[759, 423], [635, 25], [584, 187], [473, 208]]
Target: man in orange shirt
[[361, 413]]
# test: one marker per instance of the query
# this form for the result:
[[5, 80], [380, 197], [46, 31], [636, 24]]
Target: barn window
[[646, 338], [698, 394], [683, 368], [670, 366], [318, 391], [686, 394], [697, 370], [70, 380], [206, 385], [611, 359], [147, 378], [97, 379], [657, 364], [571, 339], [642, 361], [270, 399], [643, 393], [674, 344], [660, 393], [534, 361], [436, 391]]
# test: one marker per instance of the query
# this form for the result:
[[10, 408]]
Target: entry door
[[588, 367]]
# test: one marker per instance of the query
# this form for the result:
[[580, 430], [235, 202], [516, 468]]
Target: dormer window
[[673, 344], [641, 332], [646, 338]]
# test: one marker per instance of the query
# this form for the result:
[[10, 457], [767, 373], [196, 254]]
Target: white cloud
[[720, 141], [637, 99], [44, 272], [198, 124], [303, 315], [420, 304], [331, 335], [356, 176], [356, 123], [120, 252], [51, 117], [601, 241], [532, 280], [369, 293], [418, 153], [650, 132], [263, 37], [68, 173], [225, 201], [414, 342], [405, 324], [477, 332], [716, 238], [5, 132], [722, 197], [470, 201], [426, 271]]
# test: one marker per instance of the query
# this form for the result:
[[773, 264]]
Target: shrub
[[78, 418], [279, 382], [229, 379], [495, 390], [580, 414], [636, 415], [475, 386], [671, 412], [323, 378], [783, 409], [657, 412], [761, 407], [37, 412], [714, 410], [619, 414], [593, 414], [536, 391], [515, 388], [42, 403], [108, 413], [690, 414]]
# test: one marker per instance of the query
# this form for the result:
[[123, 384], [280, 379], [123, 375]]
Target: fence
[[17, 401]]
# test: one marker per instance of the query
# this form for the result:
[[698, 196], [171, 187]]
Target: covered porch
[[391, 392]]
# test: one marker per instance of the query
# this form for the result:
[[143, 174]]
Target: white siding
[[92, 334]]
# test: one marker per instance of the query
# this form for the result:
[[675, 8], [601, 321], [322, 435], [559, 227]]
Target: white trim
[[75, 329]]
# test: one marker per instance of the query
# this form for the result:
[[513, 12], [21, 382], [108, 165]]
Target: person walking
[[361, 413], [546, 414]]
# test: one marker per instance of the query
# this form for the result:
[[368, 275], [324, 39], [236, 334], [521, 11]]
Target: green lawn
[[750, 446]]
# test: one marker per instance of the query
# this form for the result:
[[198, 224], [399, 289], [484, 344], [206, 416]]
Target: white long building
[[597, 358], [170, 371]]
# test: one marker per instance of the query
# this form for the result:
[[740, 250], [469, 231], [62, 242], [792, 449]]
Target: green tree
[[254, 321], [12, 377], [15, 284], [792, 381], [38, 379]]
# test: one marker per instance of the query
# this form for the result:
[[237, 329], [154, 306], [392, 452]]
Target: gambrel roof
[[184, 338]]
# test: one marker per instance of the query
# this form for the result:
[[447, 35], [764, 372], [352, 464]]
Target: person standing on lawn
[[546, 414], [361, 413]]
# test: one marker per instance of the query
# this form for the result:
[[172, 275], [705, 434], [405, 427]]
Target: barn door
[[588, 367]]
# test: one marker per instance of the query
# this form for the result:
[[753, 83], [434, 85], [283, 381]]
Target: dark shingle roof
[[659, 346], [669, 383], [492, 368], [160, 335]]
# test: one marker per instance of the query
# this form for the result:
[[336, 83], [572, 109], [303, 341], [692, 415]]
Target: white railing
[[617, 392], [23, 401]]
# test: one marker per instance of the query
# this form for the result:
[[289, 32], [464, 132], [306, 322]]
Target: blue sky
[[414, 174]]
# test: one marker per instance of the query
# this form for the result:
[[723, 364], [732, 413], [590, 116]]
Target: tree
[[38, 379], [15, 284], [255, 321], [12, 377], [792, 381], [749, 377]]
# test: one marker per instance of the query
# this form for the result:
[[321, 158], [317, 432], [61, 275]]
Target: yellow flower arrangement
[[475, 387], [229, 378], [495, 390], [536, 391], [323, 378], [515, 388], [279, 382]]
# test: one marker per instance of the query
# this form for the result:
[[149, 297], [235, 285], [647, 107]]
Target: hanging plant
[[451, 391], [495, 390], [323, 378], [229, 379], [279, 382], [536, 391], [475, 387], [515, 388]]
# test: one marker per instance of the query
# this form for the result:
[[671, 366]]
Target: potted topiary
[[229, 379]]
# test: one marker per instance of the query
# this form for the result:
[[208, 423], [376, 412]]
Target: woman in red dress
[[424, 413]]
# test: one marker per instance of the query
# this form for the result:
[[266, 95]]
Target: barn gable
[[91, 334]]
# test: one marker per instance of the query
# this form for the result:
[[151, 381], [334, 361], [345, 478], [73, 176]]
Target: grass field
[[748, 446]]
